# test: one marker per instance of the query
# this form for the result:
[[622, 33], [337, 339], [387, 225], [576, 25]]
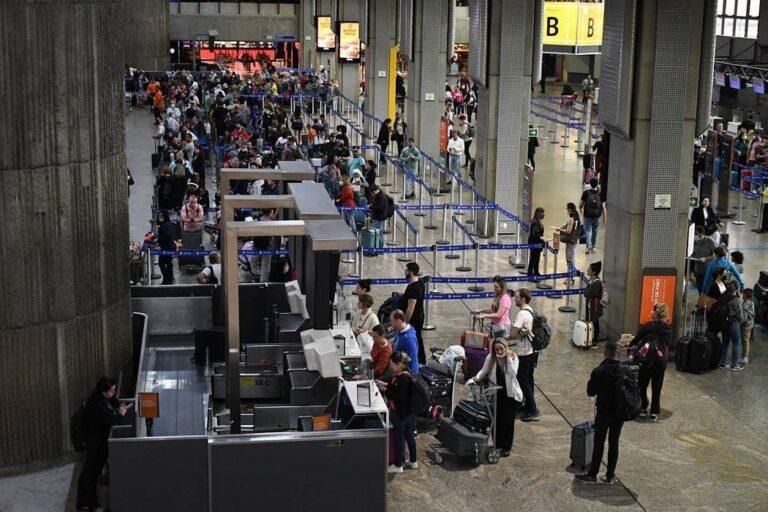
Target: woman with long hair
[[500, 368], [656, 334], [535, 236], [498, 313], [569, 235]]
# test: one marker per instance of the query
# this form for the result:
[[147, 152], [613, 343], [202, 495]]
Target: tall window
[[738, 18]]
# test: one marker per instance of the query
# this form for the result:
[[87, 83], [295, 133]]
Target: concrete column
[[762, 27], [348, 74], [656, 159], [146, 34], [426, 74], [501, 140], [382, 37], [308, 33], [64, 298]]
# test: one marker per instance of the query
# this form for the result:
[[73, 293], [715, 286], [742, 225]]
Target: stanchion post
[[463, 267], [473, 220], [360, 264], [452, 255], [436, 180], [496, 225], [567, 308], [554, 271], [541, 285], [484, 233], [406, 179], [476, 287], [740, 221], [420, 212], [434, 268], [518, 263], [358, 255], [394, 229], [427, 324], [147, 280], [443, 240], [404, 256], [431, 224]]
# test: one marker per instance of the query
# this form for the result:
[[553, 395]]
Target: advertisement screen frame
[[341, 42], [319, 35]]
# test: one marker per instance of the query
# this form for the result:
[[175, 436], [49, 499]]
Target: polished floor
[[708, 452]]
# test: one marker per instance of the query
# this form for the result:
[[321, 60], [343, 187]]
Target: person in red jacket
[[347, 199]]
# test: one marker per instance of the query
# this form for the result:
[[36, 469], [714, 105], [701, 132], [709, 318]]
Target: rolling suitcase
[[459, 439], [715, 350], [441, 385], [583, 442], [474, 361], [370, 238], [582, 334], [192, 240], [473, 416]]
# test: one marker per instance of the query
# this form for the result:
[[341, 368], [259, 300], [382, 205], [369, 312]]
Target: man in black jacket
[[378, 207], [167, 242], [604, 383]]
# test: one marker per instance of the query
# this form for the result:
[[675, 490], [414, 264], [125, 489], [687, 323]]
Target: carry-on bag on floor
[[715, 350], [583, 442], [694, 351], [472, 415], [582, 334], [370, 238], [459, 439]]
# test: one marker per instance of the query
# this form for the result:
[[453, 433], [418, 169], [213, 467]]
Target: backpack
[[646, 352], [390, 206], [77, 427], [458, 97], [166, 188], [470, 132], [421, 395], [541, 333], [628, 402], [212, 279], [592, 204]]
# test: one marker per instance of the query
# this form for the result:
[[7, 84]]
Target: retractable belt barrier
[[204, 252]]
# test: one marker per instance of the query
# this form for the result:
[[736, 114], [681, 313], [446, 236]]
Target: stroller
[[466, 439]]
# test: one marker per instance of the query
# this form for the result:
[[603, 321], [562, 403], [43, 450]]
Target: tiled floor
[[708, 452]]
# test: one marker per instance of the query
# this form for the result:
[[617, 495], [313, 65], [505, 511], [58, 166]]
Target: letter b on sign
[[552, 29], [590, 27]]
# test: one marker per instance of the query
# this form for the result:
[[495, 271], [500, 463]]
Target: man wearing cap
[[356, 162]]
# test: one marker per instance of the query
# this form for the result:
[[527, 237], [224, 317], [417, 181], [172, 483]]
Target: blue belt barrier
[[513, 279], [394, 250], [346, 282], [203, 252], [490, 295], [495, 247], [451, 248]]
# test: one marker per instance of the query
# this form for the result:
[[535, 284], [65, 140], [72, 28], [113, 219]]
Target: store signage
[[572, 27], [658, 286], [349, 41], [280, 38], [326, 38]]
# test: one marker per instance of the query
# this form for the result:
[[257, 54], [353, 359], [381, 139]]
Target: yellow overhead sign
[[568, 25]]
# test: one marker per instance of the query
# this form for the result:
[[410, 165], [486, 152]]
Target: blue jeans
[[379, 224], [734, 336], [591, 227], [454, 164], [403, 431]]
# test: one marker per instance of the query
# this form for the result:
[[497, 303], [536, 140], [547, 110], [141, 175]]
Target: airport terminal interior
[[384, 255]]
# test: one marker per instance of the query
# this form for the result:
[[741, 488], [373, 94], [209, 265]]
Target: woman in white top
[[500, 368], [365, 319]]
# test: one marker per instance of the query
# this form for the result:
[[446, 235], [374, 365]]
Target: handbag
[[705, 302]]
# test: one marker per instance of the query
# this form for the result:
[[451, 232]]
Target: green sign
[[533, 132]]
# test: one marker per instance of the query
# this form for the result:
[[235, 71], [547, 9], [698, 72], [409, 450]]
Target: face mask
[[407, 276]]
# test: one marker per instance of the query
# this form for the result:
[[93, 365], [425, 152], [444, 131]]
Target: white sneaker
[[745, 360], [411, 465], [394, 469]]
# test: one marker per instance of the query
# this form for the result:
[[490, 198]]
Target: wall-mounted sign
[[658, 286], [349, 41], [572, 27], [149, 405], [326, 38], [662, 201]]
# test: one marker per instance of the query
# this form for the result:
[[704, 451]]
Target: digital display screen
[[735, 81], [349, 41], [758, 85], [720, 78], [326, 38]]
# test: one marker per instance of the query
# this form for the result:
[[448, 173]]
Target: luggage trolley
[[480, 444]]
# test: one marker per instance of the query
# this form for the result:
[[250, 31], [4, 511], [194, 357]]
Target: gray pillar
[[147, 34], [426, 74], [382, 37], [501, 141], [656, 159], [308, 33], [64, 299], [348, 74]]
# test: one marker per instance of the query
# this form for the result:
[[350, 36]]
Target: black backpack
[[646, 351], [628, 401], [421, 395], [541, 333], [77, 427], [212, 279], [390, 206], [592, 204]]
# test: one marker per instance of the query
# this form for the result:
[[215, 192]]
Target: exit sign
[[533, 132]]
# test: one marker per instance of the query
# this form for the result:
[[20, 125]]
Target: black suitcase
[[715, 348], [473, 416], [681, 353], [212, 339], [441, 385], [459, 439], [699, 354], [582, 444], [155, 160], [192, 240]]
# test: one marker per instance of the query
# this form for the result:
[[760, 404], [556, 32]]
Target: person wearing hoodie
[[657, 333]]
